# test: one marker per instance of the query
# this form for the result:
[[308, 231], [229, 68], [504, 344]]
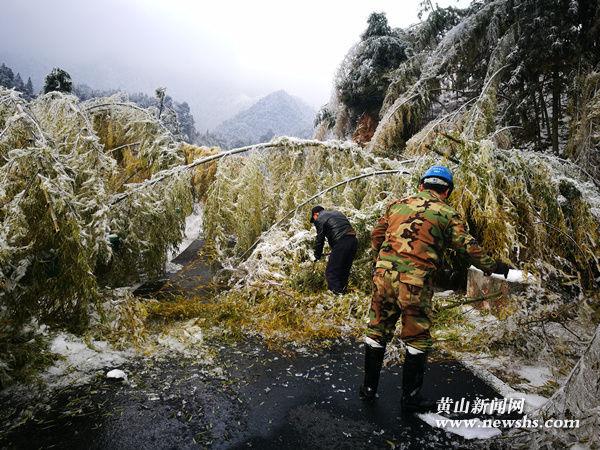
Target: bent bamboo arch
[[323, 192], [136, 187]]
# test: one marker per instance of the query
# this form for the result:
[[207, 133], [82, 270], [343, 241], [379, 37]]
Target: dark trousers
[[340, 263]]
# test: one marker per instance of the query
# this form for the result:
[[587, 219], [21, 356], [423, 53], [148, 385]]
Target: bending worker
[[408, 241], [341, 237]]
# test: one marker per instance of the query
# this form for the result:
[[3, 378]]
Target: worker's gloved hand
[[502, 268]]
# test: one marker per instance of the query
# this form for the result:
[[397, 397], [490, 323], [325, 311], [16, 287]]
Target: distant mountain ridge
[[277, 114]]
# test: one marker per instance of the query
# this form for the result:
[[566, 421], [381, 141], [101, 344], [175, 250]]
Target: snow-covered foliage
[[418, 84], [253, 192], [363, 78], [584, 145], [577, 400], [176, 116], [536, 212], [528, 211], [488, 54], [520, 207], [64, 238]]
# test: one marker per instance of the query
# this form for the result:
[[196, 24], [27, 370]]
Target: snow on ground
[[193, 228], [80, 361], [535, 375], [484, 367], [467, 428]]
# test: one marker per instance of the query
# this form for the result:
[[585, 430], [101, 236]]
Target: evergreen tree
[[377, 26], [186, 121], [19, 85], [29, 88], [362, 79], [58, 80], [7, 77]]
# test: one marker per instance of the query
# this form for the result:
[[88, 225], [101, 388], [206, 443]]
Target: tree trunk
[[545, 115], [538, 135], [555, 110]]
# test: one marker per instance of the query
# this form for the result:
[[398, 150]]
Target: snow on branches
[[61, 241]]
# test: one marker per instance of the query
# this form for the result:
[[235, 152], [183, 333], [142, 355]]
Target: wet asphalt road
[[263, 400]]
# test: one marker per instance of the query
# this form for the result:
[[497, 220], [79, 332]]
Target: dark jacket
[[332, 225]]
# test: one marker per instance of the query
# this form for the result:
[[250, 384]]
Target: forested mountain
[[277, 114], [9, 80], [176, 115]]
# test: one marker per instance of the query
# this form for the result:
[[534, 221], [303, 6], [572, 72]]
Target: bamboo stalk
[[182, 168], [52, 213], [469, 300], [324, 191]]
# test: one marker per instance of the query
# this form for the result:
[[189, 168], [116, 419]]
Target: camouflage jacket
[[414, 231]]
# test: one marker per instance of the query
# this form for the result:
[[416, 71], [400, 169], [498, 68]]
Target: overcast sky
[[214, 54]]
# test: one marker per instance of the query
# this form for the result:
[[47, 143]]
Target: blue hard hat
[[439, 172]]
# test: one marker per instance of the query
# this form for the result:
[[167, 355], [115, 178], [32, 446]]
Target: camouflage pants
[[393, 300]]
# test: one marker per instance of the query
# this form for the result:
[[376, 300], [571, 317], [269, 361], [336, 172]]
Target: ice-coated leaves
[[63, 161]]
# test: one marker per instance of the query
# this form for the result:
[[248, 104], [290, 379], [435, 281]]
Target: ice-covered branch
[[278, 143], [325, 191]]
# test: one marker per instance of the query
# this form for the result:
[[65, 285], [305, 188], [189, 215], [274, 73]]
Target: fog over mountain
[[210, 100], [277, 114], [218, 56]]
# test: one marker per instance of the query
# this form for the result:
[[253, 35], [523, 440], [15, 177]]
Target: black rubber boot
[[373, 362], [412, 382]]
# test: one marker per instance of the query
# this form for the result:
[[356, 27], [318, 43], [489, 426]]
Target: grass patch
[[281, 316], [451, 326], [24, 356]]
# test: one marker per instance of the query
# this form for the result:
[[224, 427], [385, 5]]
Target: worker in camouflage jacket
[[408, 242]]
